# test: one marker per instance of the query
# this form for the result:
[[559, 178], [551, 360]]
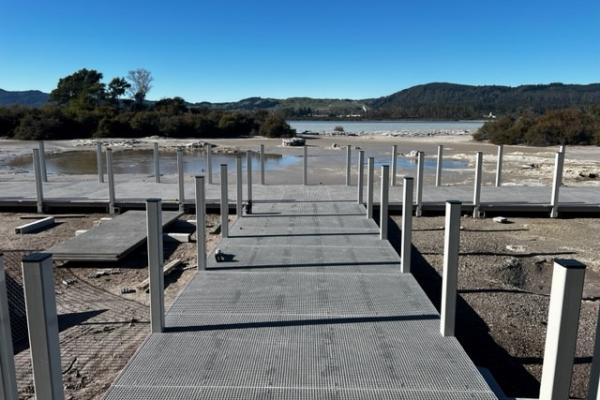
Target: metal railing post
[[348, 167], [155, 264], [477, 184], [39, 185], [370, 178], [556, 183], [407, 211], [42, 322], [99, 162], [180, 179], [499, 165], [439, 166], [420, 166], [249, 180], [209, 163], [8, 378], [111, 181], [42, 155], [561, 333], [450, 274], [383, 203], [305, 166], [361, 176], [394, 162], [594, 382], [156, 163], [200, 222], [239, 187], [224, 203], [262, 164]]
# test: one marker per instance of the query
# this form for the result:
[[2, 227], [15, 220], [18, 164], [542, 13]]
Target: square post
[[594, 382], [238, 183], [8, 378], [420, 166], [361, 177], [42, 155], [348, 167], [39, 185], [224, 203], [249, 181], [99, 162], [439, 166], [559, 160], [262, 164], [450, 274], [383, 204], [499, 165], [111, 181], [561, 334], [209, 163], [370, 178], [42, 323], [155, 264], [394, 162], [156, 163], [180, 179], [305, 166], [200, 222], [407, 211], [477, 184]]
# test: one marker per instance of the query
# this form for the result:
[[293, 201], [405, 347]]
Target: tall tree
[[140, 81], [82, 89], [117, 88]]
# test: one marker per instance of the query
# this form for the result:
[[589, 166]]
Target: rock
[[68, 282], [500, 220], [516, 248], [127, 290]]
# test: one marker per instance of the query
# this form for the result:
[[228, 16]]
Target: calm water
[[396, 127]]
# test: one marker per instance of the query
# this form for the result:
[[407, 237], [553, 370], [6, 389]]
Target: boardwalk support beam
[[224, 203], [477, 184], [156, 163], [200, 222], [155, 264], [450, 273], [438, 169], [348, 162], [407, 211], [394, 162], [361, 176], [39, 186], [180, 179], [370, 178], [384, 202], [8, 378], [238, 185], [563, 323], [499, 165], [209, 162], [111, 182], [262, 164], [305, 166], [99, 162], [249, 180], [420, 166], [42, 156], [42, 322], [559, 161], [594, 383]]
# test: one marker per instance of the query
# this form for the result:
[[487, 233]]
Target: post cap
[[569, 263], [153, 200], [199, 176], [36, 257], [454, 202]]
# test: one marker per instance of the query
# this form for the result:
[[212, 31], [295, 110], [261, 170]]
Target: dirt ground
[[100, 328], [504, 284]]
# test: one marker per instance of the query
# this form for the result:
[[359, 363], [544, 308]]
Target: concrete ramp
[[111, 240]]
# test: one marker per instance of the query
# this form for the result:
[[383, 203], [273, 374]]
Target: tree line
[[83, 106]]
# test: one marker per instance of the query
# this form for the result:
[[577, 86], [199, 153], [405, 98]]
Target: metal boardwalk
[[310, 304]]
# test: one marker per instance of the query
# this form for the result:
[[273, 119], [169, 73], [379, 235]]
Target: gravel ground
[[100, 328], [504, 284]]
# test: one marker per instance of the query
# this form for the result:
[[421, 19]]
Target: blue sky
[[228, 50]]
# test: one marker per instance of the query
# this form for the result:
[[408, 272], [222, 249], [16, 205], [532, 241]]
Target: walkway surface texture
[[132, 190], [310, 304]]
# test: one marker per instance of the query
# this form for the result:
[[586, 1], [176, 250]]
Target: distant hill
[[31, 98], [429, 101]]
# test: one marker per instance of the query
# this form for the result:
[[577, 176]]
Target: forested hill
[[429, 101]]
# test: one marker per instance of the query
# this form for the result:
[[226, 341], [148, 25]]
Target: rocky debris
[[588, 175], [511, 272], [295, 141], [167, 270], [127, 290], [501, 220], [68, 282], [99, 273], [516, 248], [412, 154]]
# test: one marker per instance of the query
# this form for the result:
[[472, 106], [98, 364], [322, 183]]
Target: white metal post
[[499, 165], [99, 162], [348, 161], [209, 163], [420, 166], [156, 163], [111, 181], [594, 382], [477, 184], [562, 149], [305, 166], [439, 166], [224, 203], [370, 178], [394, 161], [155, 264], [262, 164], [238, 183], [383, 203], [180, 179], [42, 322], [450, 274], [556, 183], [200, 222], [43, 161], [39, 186], [249, 180], [8, 379], [361, 177], [407, 211], [561, 334]]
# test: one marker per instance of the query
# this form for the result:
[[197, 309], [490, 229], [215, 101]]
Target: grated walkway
[[310, 305]]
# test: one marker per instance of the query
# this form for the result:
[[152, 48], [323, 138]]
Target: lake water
[[390, 127]]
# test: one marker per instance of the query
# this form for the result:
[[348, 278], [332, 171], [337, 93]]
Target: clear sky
[[223, 50]]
